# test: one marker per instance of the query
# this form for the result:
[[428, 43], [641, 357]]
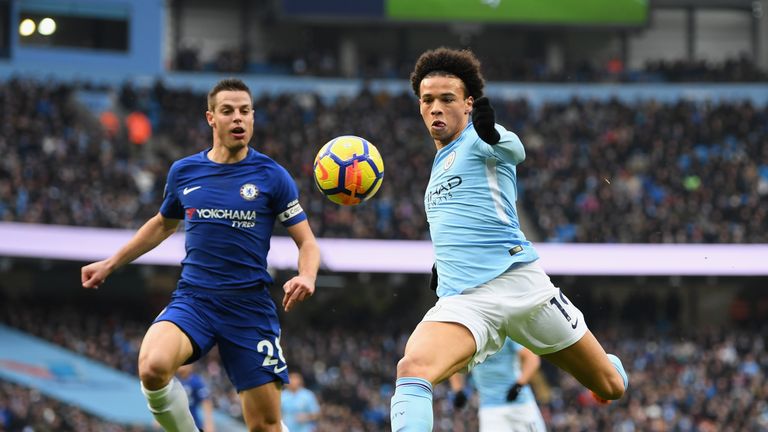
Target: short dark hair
[[449, 62], [227, 84]]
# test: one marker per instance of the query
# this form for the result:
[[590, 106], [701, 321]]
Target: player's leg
[[494, 419], [435, 351], [554, 328], [261, 407], [252, 356], [164, 348], [512, 417], [591, 366]]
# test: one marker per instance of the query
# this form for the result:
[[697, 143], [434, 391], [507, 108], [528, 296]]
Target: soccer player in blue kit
[[489, 284], [229, 197], [200, 404]]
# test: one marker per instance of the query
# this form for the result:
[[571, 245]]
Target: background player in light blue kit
[[229, 197], [300, 408], [507, 403], [200, 404], [489, 284]]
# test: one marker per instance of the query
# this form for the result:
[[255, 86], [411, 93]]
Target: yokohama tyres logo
[[239, 218]]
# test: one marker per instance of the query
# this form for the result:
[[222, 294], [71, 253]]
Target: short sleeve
[[171, 207], [286, 204]]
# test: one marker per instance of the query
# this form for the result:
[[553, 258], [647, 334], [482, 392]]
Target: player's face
[[444, 107], [296, 381], [232, 120]]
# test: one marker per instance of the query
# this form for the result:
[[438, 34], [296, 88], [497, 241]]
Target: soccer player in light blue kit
[[489, 284], [507, 403], [300, 408], [229, 197]]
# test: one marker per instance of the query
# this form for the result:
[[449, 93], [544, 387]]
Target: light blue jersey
[[470, 206], [296, 404], [497, 374]]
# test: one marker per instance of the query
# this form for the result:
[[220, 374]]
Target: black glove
[[484, 119], [514, 392], [433, 278], [459, 399]]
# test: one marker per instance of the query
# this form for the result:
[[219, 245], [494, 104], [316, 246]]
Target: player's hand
[[459, 399], [94, 274], [514, 392], [296, 290], [433, 278], [484, 119]]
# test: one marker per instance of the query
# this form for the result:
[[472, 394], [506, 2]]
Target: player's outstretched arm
[[456, 382], [302, 286], [151, 234], [529, 364]]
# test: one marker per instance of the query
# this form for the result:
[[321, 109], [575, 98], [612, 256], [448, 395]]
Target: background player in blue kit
[[507, 403], [489, 284], [200, 404], [229, 197]]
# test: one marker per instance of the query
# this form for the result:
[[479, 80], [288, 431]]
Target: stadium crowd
[[27, 410], [705, 379], [325, 63], [596, 171]]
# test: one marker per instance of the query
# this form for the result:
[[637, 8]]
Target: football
[[348, 170]]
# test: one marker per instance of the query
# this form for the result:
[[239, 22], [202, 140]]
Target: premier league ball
[[348, 170]]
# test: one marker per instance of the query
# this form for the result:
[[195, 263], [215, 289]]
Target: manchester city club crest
[[249, 191], [449, 160]]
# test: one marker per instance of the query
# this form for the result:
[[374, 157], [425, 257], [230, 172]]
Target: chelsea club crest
[[249, 191]]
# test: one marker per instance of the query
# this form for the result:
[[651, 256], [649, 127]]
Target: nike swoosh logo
[[573, 326], [280, 369], [191, 189]]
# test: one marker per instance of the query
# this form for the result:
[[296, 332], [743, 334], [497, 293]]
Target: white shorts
[[524, 417], [521, 304]]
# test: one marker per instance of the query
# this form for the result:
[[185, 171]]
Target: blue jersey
[[497, 374], [470, 206], [197, 392], [229, 212], [293, 404]]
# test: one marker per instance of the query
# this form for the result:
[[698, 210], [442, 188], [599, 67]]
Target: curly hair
[[450, 62]]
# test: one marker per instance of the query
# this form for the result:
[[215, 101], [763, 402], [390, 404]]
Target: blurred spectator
[[110, 123], [139, 128], [187, 59]]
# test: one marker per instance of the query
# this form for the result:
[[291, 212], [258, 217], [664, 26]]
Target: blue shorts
[[243, 323]]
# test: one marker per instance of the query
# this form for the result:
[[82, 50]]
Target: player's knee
[[617, 387], [410, 366], [265, 424], [154, 372], [612, 387]]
